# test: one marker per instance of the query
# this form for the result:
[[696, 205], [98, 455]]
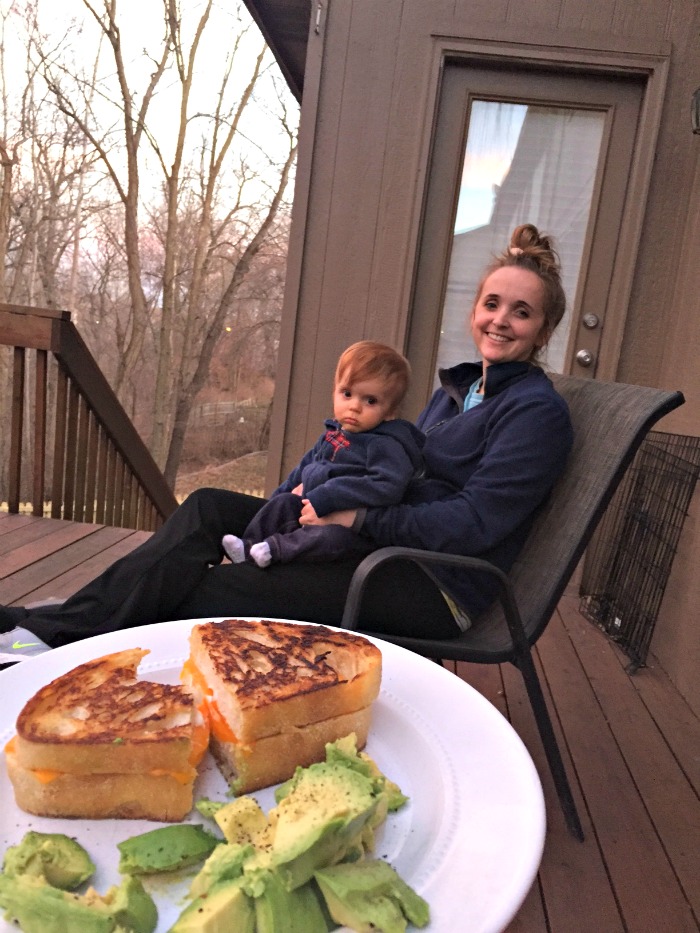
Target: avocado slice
[[225, 907], [131, 906], [57, 858], [224, 864], [37, 907], [344, 751], [302, 910], [208, 808], [243, 821], [319, 820], [166, 849], [369, 896]]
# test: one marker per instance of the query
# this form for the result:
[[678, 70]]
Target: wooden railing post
[[41, 383], [102, 470], [18, 372]]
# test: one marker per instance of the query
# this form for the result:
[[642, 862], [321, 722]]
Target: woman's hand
[[309, 517]]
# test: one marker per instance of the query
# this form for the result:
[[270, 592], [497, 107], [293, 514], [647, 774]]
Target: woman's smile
[[508, 319]]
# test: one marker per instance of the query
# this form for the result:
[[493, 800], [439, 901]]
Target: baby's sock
[[234, 548], [260, 553]]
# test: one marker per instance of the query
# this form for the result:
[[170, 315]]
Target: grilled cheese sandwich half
[[97, 742], [277, 692]]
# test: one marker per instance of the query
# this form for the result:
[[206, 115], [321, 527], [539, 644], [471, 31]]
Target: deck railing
[[82, 451]]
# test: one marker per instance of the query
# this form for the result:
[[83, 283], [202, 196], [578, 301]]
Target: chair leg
[[551, 748]]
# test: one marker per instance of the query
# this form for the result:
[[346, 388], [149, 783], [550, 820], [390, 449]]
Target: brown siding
[[354, 237]]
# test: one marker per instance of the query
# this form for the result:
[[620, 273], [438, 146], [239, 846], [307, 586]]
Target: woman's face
[[507, 322]]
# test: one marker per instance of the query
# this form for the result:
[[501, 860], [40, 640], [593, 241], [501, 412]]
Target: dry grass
[[246, 474]]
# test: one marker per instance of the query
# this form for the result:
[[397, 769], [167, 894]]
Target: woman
[[497, 438]]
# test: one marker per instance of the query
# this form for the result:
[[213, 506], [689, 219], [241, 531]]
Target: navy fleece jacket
[[487, 470], [348, 470]]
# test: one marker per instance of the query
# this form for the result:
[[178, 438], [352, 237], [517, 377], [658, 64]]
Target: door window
[[520, 161], [521, 145]]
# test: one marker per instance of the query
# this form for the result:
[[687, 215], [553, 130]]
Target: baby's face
[[361, 406]]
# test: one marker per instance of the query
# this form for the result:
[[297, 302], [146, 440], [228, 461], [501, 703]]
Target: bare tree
[[81, 112], [218, 207]]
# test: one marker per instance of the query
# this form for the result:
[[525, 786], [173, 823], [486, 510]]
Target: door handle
[[584, 358]]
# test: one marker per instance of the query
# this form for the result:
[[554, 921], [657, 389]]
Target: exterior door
[[522, 146]]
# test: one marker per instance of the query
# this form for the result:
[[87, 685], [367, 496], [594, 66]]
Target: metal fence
[[629, 563]]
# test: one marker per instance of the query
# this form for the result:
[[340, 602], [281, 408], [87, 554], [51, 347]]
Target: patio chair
[[610, 421]]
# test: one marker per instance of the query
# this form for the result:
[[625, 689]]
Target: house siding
[[367, 117]]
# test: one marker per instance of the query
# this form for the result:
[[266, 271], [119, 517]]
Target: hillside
[[246, 474]]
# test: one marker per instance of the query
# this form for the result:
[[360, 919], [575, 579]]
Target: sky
[[71, 30]]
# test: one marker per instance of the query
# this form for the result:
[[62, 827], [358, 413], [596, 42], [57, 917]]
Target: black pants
[[277, 522], [178, 574]]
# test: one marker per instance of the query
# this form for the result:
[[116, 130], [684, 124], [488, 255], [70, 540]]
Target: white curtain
[[523, 164]]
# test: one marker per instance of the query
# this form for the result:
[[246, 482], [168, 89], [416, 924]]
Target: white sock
[[260, 553], [234, 548]]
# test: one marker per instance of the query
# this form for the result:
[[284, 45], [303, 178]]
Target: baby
[[366, 457]]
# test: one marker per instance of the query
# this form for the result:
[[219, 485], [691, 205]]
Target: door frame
[[653, 70]]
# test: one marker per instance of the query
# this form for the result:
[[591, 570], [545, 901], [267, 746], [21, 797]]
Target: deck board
[[664, 788], [34, 566], [588, 702], [629, 741], [575, 887]]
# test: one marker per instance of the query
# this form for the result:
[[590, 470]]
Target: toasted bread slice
[[274, 758], [156, 795], [100, 719], [267, 677]]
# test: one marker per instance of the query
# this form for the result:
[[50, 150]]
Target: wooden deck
[[631, 744]]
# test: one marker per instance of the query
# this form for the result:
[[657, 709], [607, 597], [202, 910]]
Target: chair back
[[610, 421]]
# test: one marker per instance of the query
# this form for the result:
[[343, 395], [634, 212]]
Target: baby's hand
[[298, 490], [308, 515]]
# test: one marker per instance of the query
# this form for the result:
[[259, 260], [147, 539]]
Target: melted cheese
[[220, 728], [200, 737], [182, 777], [45, 776]]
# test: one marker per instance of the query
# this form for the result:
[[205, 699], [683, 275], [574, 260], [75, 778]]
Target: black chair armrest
[[374, 560]]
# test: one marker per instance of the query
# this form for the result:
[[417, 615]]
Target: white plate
[[469, 840]]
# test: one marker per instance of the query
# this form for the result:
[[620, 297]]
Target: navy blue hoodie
[[347, 469], [487, 470]]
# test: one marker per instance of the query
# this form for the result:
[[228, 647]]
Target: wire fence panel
[[630, 560]]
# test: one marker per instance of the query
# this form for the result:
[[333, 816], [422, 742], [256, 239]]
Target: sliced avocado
[[131, 906], [242, 822], [303, 910], [225, 908], [208, 808], [57, 858], [224, 864], [370, 896], [37, 907], [166, 849], [344, 751], [319, 820]]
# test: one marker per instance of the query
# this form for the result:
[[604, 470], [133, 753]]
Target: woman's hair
[[370, 360], [532, 250]]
